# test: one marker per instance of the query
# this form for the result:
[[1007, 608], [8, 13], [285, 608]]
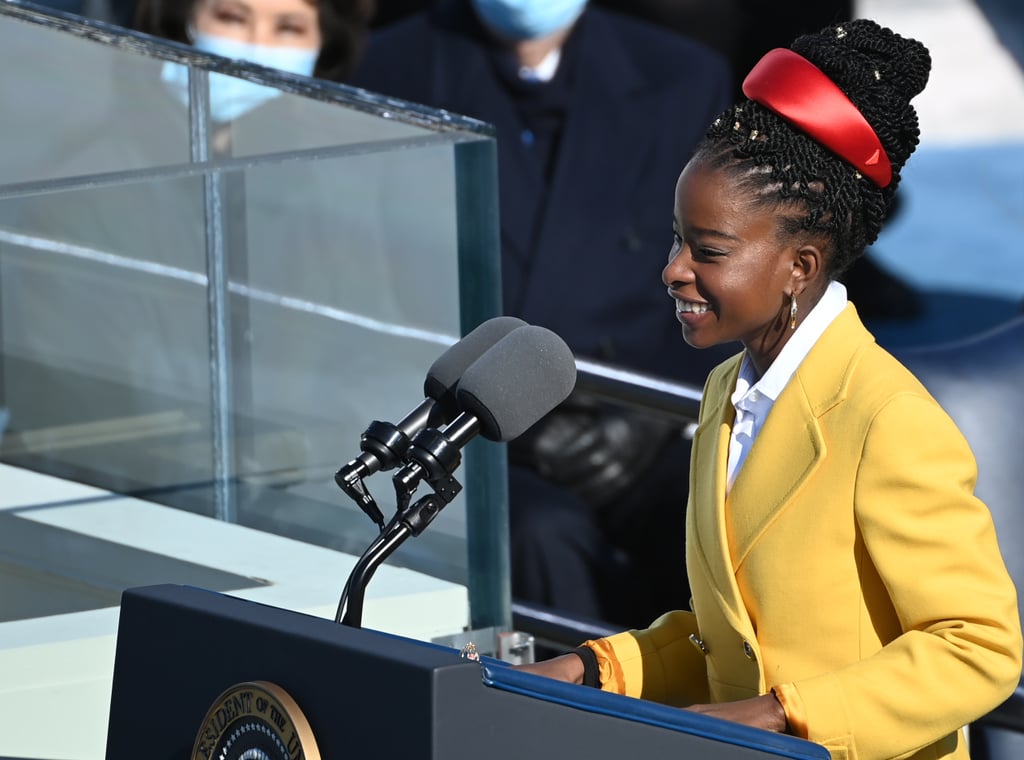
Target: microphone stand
[[412, 523], [434, 455], [350, 606]]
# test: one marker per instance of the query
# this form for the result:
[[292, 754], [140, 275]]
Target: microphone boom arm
[[350, 606], [410, 521]]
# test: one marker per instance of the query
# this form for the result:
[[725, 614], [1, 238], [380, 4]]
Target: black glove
[[596, 449]]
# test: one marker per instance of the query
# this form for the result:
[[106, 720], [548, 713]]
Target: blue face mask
[[528, 19], [231, 97]]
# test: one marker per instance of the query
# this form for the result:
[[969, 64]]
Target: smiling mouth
[[691, 307]]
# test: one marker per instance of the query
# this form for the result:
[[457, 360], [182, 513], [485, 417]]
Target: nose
[[261, 32], [677, 271]]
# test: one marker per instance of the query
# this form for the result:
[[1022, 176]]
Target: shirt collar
[[545, 70]]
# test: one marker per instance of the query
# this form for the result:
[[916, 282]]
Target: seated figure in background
[[594, 112]]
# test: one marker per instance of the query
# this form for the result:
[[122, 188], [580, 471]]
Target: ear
[[808, 264]]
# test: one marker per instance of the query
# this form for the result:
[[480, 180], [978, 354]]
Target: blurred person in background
[[334, 29], [743, 31], [321, 38], [594, 112]]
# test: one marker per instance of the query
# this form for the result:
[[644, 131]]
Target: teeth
[[691, 307]]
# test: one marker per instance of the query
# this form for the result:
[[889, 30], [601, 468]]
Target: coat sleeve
[[659, 663], [933, 545]]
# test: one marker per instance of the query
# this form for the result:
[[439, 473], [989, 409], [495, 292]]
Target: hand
[[760, 712], [596, 450], [565, 667]]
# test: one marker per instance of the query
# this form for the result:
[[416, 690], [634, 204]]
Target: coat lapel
[[791, 445], [611, 97], [465, 81], [706, 531], [784, 456]]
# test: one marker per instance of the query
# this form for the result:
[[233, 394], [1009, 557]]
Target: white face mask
[[231, 97], [528, 19]]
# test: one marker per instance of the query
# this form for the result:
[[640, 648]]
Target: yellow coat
[[851, 567]]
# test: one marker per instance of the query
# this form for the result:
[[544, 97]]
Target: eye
[[229, 15], [293, 28], [299, 26], [707, 253]]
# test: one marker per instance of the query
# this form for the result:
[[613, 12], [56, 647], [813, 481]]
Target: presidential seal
[[255, 721]]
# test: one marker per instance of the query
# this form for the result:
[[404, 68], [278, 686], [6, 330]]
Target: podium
[[367, 694]]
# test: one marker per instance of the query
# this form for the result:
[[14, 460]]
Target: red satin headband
[[794, 88]]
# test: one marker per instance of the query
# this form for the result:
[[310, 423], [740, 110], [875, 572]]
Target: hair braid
[[879, 71]]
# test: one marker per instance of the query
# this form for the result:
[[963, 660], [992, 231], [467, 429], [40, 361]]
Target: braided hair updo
[[879, 71]]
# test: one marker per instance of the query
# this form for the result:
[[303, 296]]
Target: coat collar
[[789, 448]]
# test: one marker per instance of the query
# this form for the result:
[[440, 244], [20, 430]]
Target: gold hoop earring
[[792, 311]]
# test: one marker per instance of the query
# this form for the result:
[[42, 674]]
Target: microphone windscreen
[[444, 374], [520, 379]]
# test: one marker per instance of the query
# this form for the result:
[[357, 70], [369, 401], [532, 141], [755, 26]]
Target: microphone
[[446, 371], [383, 444], [514, 383], [509, 388]]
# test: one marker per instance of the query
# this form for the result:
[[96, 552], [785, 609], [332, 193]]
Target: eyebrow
[[231, 5], [715, 233], [303, 15]]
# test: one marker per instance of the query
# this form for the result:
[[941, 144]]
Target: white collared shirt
[[754, 397], [543, 71]]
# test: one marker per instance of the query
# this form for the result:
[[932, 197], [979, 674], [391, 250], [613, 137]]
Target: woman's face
[[276, 23], [729, 271]]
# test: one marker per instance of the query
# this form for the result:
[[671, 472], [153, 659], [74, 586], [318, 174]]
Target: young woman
[[847, 585]]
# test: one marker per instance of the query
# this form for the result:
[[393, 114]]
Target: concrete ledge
[[57, 670]]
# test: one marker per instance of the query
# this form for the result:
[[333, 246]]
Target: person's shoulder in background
[[677, 85], [398, 57], [663, 55]]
